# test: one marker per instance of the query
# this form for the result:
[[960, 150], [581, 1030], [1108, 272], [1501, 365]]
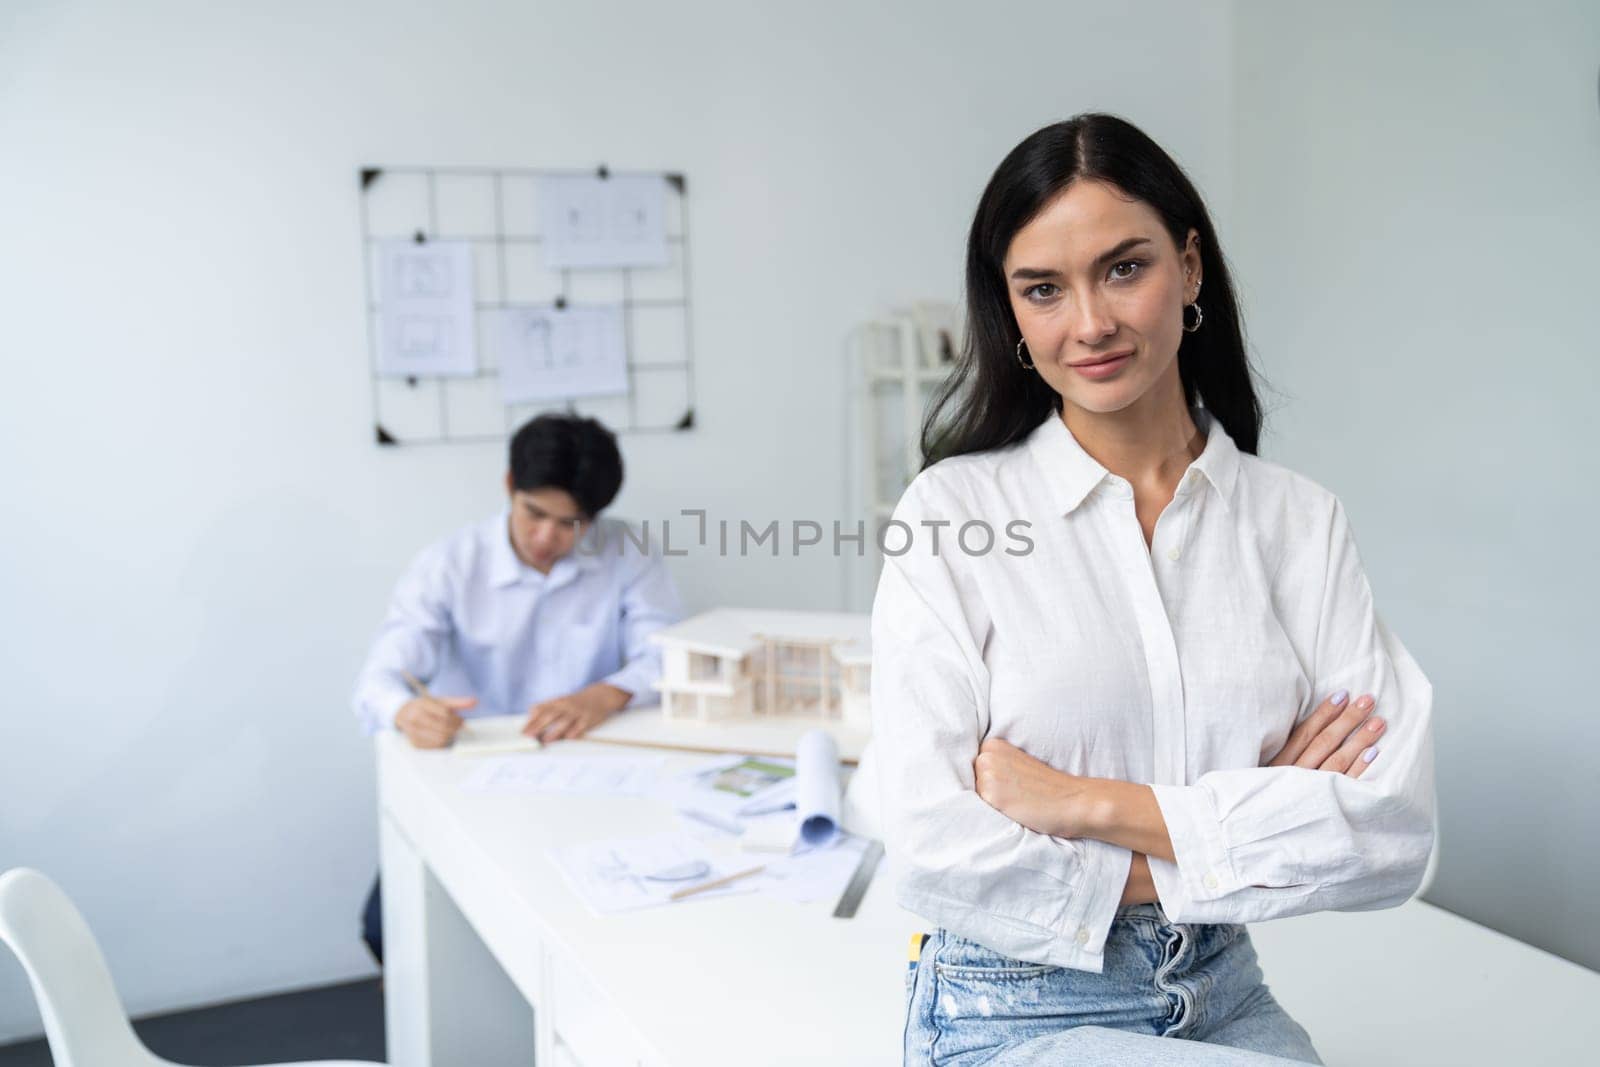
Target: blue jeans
[[1170, 993]]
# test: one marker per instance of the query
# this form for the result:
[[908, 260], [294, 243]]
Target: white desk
[[479, 926]]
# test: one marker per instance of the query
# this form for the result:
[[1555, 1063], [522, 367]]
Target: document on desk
[[729, 791], [643, 872], [547, 772], [813, 873]]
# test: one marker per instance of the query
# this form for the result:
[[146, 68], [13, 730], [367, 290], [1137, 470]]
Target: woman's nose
[[1092, 321]]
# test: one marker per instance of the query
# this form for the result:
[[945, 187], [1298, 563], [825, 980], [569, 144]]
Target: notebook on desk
[[494, 735]]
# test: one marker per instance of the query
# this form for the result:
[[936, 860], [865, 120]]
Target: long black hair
[[991, 401]]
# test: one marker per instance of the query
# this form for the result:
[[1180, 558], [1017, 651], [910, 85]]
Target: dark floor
[[341, 1022]]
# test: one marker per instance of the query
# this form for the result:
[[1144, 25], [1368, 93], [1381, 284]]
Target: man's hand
[[1337, 737], [432, 722], [575, 714]]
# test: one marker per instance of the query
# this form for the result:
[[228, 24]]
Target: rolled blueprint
[[817, 790]]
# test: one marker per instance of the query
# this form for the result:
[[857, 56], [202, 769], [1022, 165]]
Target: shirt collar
[[1071, 474], [504, 566], [506, 569], [1219, 460]]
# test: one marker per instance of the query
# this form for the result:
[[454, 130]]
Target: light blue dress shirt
[[469, 618]]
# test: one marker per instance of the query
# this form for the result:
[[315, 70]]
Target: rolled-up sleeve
[[649, 601], [410, 640], [1266, 842], [962, 864]]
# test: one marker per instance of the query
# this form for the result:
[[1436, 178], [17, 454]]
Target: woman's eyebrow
[[1034, 274]]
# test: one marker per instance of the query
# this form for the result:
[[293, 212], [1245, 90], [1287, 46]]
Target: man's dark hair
[[568, 452]]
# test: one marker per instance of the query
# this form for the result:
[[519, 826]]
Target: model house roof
[[739, 631]]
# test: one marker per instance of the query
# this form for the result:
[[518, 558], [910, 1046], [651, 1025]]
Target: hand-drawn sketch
[[451, 252], [425, 321], [553, 354], [592, 222], [422, 337], [421, 271]]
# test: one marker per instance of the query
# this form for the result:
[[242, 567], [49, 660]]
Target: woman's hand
[[1034, 794], [1030, 791], [1336, 737]]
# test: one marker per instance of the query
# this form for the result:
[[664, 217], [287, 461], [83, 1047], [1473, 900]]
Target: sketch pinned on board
[[593, 222], [425, 327], [557, 353], [435, 373]]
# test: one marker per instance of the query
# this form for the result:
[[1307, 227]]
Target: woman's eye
[[1038, 292], [1126, 269]]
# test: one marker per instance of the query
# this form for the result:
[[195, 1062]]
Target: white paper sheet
[[546, 772], [550, 354], [425, 317], [813, 873], [593, 222], [493, 735], [643, 872]]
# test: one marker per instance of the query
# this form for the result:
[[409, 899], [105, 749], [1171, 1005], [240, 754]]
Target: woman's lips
[[1096, 371]]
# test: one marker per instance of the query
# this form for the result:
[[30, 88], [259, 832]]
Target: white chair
[[83, 1018]]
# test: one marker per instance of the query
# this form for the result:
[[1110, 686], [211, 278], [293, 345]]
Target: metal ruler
[[851, 899]]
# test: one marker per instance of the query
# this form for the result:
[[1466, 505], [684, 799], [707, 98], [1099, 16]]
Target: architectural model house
[[737, 664]]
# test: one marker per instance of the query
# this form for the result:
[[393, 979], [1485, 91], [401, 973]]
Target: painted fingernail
[[1375, 725], [1370, 754], [1340, 697]]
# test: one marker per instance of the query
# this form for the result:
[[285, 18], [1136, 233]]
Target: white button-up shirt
[[469, 618], [1183, 665]]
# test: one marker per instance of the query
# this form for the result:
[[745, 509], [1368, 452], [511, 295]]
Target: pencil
[[416, 687], [703, 886]]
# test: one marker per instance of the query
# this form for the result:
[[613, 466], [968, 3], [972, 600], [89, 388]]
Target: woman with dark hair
[[1105, 751]]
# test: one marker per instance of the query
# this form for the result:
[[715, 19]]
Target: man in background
[[543, 608]]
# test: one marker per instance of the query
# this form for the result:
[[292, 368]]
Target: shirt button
[[1083, 935], [1211, 881], [1173, 555]]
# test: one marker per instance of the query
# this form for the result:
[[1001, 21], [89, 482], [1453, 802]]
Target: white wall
[[201, 535], [1419, 194]]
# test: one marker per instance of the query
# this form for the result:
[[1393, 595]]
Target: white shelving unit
[[895, 364]]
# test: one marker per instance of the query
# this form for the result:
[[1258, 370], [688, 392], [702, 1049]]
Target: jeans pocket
[[960, 957], [982, 989], [980, 1007], [1013, 971]]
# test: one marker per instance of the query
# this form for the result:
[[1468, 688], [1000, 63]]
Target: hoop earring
[[1025, 365], [1199, 317]]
